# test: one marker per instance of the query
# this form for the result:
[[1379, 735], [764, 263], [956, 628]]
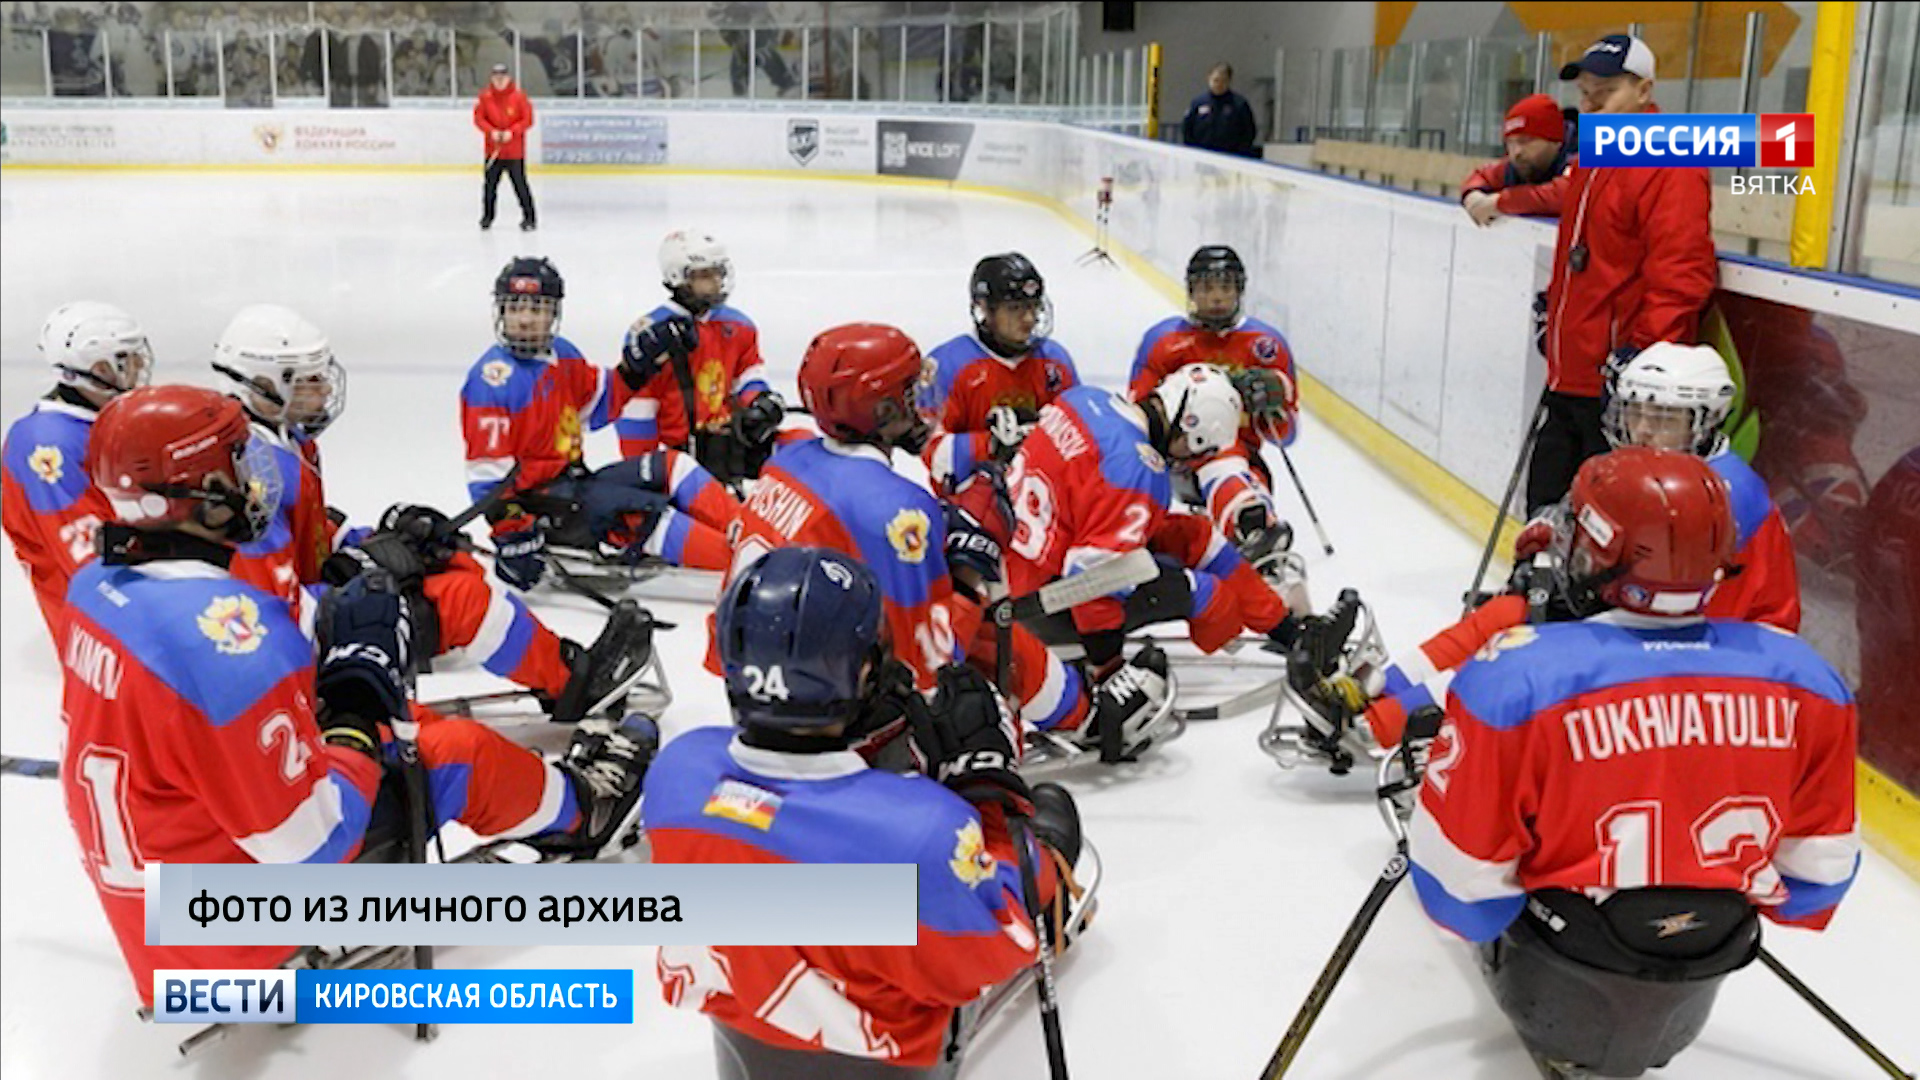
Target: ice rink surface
[[1228, 880]]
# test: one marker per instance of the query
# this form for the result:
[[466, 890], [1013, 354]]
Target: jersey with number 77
[[1617, 754], [1086, 486]]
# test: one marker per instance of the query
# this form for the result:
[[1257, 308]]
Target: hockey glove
[[1539, 533], [970, 547], [1267, 393], [366, 665], [428, 531], [649, 343], [965, 736], [759, 421], [1616, 364], [1008, 427], [520, 553]]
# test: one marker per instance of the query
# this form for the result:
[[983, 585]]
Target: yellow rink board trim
[[1889, 814]]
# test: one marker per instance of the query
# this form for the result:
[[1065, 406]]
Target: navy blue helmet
[[797, 631]]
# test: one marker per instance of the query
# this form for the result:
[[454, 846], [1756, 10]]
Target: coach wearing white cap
[[1634, 264]]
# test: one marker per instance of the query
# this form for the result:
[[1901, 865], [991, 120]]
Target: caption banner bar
[[571, 904]]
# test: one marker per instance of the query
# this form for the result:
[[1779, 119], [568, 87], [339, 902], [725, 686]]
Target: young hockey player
[[989, 386], [197, 728], [525, 408], [701, 385], [804, 649], [282, 370], [840, 491], [1612, 800], [1233, 483], [1669, 397], [48, 503]]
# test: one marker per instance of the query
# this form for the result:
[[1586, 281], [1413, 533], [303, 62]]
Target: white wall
[[1193, 37]]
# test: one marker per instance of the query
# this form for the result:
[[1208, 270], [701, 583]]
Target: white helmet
[[1677, 383], [686, 251], [1201, 403], [80, 335], [283, 368]]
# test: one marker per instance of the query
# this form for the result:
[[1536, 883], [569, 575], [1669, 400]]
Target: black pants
[[1570, 433], [516, 170]]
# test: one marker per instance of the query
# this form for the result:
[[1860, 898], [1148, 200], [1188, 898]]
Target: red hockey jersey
[[48, 504], [533, 413], [727, 372], [1625, 752], [848, 498], [191, 739], [712, 799], [1086, 486], [970, 381], [1175, 342]]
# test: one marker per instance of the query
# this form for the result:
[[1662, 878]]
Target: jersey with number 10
[[1613, 754], [1086, 486], [824, 493]]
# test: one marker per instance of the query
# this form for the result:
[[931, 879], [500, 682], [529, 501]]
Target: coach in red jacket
[[1532, 179], [1634, 264], [503, 114]]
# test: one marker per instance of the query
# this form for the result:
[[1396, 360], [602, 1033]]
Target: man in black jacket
[[1220, 119]]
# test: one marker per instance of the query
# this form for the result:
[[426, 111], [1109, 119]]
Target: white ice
[[1229, 880]]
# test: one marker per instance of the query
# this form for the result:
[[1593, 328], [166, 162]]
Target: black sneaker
[[486, 223], [607, 765]]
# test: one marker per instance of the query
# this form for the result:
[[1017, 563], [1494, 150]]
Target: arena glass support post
[[946, 63], [806, 63], [579, 61], [1464, 130], [273, 69], [518, 77], [166, 49], [1542, 57], [220, 64], [106, 61], [326, 65], [1019, 62], [696, 63], [453, 64], [753, 66], [386, 65]]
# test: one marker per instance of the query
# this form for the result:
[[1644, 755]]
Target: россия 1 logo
[[1714, 140]]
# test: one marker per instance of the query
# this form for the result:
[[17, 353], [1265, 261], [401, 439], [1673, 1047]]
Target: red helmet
[[1652, 530], [166, 454], [857, 378]]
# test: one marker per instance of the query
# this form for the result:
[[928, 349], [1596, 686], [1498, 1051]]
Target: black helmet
[[1216, 262], [798, 632], [527, 280], [1008, 279]]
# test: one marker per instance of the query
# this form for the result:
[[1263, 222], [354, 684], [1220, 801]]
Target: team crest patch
[[907, 532], [710, 384], [743, 804], [1266, 347], [1151, 458], [496, 372], [970, 862], [1056, 379], [1507, 640], [47, 463], [232, 623], [566, 434]]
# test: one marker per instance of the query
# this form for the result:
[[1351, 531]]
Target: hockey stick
[[1023, 840], [1318, 528], [1853, 1035], [1390, 877], [1500, 512], [38, 768]]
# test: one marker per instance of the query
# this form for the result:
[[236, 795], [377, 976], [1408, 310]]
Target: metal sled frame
[[1291, 744], [507, 708], [994, 1002], [648, 579]]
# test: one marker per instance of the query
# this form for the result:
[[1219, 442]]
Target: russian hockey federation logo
[[232, 623], [496, 372], [803, 140], [907, 532], [971, 863], [47, 463], [1507, 640]]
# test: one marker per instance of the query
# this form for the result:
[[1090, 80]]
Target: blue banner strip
[[447, 996]]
